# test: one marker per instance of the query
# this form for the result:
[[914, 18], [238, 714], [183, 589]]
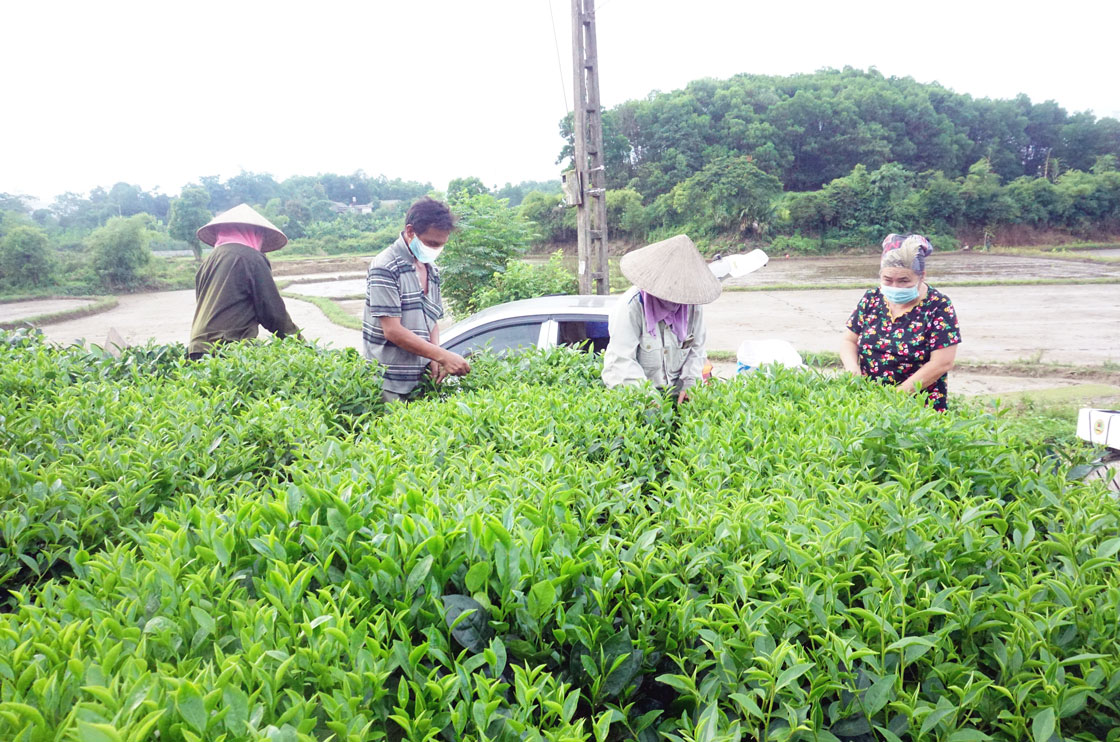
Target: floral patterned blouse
[[891, 350]]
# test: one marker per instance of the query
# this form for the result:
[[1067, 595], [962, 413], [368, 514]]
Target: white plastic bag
[[755, 353]]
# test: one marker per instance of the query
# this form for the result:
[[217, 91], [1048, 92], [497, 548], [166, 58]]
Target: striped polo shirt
[[393, 290]]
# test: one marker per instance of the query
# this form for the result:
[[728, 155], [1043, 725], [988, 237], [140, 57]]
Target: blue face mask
[[422, 252], [899, 296]]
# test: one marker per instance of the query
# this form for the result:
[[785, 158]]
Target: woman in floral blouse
[[905, 331]]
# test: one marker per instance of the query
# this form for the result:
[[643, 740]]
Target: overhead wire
[[559, 63]]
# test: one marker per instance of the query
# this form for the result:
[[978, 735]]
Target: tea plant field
[[252, 548]]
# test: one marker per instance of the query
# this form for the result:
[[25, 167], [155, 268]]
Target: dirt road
[[165, 317]]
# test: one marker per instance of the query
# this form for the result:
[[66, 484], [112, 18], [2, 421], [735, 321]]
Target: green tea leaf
[[418, 574], [237, 701], [541, 599], [1042, 725], [1108, 548], [91, 732], [468, 621], [477, 576], [203, 618], [188, 700], [878, 695], [793, 673], [967, 735]]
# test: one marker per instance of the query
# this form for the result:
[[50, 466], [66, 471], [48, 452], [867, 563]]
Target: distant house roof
[[341, 207]]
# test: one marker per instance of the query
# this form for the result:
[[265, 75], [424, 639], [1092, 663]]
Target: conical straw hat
[[673, 270], [274, 239]]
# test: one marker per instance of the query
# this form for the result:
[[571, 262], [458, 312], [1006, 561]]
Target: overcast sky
[[159, 94]]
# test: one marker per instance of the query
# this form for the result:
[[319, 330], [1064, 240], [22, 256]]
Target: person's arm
[[849, 352], [269, 306], [940, 362], [402, 337], [620, 360], [944, 338], [849, 341], [694, 358], [435, 368]]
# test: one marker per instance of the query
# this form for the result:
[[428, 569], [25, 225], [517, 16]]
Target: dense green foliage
[[120, 249], [522, 280], [862, 207], [113, 457], [805, 163], [529, 556], [825, 134], [188, 213], [25, 259], [810, 129], [323, 215], [487, 237]]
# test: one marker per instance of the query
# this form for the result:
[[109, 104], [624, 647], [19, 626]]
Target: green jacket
[[234, 294]]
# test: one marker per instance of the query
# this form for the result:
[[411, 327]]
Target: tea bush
[[529, 556]]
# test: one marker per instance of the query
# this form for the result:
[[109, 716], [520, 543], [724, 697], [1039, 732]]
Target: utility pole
[[590, 179]]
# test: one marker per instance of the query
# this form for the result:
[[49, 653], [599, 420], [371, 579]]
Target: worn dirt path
[[165, 317]]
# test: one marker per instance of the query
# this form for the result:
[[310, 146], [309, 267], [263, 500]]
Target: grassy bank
[[99, 304], [333, 312]]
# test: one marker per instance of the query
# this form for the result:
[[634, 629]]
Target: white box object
[[1099, 426]]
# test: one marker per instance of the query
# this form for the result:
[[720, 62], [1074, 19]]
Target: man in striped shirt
[[403, 304]]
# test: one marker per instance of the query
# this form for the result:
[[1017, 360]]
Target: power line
[[559, 64]]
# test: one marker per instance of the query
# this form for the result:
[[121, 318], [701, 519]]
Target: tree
[[188, 213], [546, 211], [984, 203], [9, 202], [120, 249], [460, 187], [729, 194], [522, 280], [25, 259], [810, 212], [625, 214], [939, 203], [488, 236]]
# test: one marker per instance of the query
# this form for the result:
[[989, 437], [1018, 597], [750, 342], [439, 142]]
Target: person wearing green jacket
[[235, 293]]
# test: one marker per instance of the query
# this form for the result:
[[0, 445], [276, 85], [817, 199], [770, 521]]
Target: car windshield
[[500, 340]]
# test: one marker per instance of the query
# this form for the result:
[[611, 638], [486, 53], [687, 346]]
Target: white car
[[544, 322]]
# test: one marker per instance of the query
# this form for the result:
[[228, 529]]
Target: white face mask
[[422, 252]]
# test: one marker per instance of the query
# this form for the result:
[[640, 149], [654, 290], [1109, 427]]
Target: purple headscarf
[[905, 251], [657, 310]]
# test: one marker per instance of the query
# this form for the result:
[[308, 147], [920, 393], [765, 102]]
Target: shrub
[[523, 280], [25, 259], [120, 249], [489, 235]]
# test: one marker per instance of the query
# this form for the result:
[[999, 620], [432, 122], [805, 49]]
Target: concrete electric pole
[[590, 186]]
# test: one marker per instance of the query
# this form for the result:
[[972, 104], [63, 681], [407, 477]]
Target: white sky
[[159, 94]]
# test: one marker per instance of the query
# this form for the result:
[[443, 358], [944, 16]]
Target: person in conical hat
[[657, 331], [235, 294]]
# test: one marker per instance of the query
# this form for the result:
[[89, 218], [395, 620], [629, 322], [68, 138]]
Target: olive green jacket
[[235, 295]]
